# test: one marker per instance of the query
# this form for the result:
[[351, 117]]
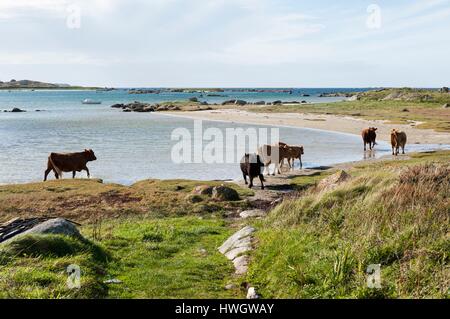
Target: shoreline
[[324, 122]]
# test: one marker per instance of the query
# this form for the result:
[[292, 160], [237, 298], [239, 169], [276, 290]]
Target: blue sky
[[226, 43]]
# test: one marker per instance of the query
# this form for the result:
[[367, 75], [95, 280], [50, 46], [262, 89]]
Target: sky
[[226, 43]]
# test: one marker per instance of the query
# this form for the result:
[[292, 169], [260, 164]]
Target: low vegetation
[[152, 237], [395, 213]]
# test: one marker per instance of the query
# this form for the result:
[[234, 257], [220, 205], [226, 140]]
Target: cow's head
[[302, 150], [373, 129], [90, 156]]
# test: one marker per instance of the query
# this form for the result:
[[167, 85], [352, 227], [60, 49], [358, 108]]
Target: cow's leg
[[393, 150], [73, 174], [403, 149], [245, 178], [56, 174], [87, 171], [47, 171], [251, 181], [365, 148], [261, 178], [301, 164]]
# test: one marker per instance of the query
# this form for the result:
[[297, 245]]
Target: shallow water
[[134, 146]]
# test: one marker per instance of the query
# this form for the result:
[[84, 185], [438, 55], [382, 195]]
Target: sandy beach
[[343, 124]]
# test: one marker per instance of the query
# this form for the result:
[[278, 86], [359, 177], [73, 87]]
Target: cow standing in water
[[398, 139], [369, 136], [69, 162]]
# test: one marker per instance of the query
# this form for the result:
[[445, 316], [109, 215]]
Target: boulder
[[446, 106], [260, 103], [277, 102], [193, 99], [239, 239], [240, 102], [224, 193], [17, 110], [203, 190], [333, 181], [56, 226], [228, 102], [444, 90]]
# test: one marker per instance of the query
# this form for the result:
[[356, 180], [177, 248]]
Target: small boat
[[89, 101]]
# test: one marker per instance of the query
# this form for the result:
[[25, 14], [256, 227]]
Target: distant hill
[[29, 84]]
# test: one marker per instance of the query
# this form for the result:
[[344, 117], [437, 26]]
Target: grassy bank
[[156, 237], [394, 213]]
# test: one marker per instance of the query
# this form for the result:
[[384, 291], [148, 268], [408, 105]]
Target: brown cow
[[293, 153], [369, 136], [69, 162], [251, 166], [398, 139], [273, 154]]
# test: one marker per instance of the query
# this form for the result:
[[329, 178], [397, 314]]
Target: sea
[[135, 146]]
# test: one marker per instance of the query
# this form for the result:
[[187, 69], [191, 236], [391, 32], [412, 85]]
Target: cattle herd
[[252, 165]]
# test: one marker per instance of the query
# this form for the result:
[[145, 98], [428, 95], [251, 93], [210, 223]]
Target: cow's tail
[[56, 168]]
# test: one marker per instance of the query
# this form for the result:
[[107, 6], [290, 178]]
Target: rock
[[193, 99], [118, 106], [253, 213], [236, 252], [251, 293], [230, 286], [203, 190], [238, 239], [240, 102], [277, 102], [17, 110], [228, 102], [260, 103], [56, 226], [333, 181], [444, 90], [405, 110], [224, 193], [353, 98], [192, 198], [241, 265], [446, 106], [113, 281]]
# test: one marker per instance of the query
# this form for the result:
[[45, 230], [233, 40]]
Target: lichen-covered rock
[[223, 193]]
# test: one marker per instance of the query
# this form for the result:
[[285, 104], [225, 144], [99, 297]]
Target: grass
[[35, 267], [85, 200], [152, 236], [169, 258], [391, 213]]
